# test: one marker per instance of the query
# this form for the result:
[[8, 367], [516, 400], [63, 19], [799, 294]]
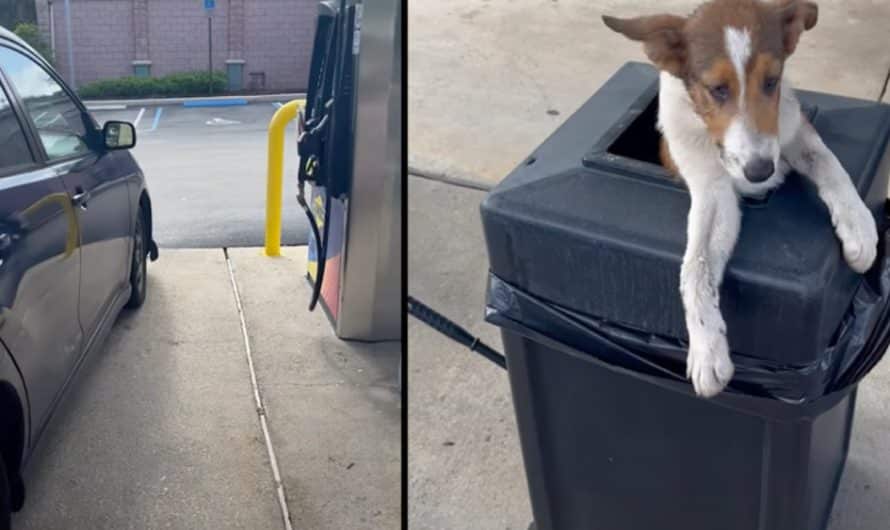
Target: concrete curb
[[444, 171], [448, 179], [215, 102], [119, 104]]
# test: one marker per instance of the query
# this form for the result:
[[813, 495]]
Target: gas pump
[[349, 143]]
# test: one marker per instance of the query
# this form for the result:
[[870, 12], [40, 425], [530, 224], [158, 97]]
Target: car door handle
[[80, 197]]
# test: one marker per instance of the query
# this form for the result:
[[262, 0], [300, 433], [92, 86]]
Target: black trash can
[[585, 241]]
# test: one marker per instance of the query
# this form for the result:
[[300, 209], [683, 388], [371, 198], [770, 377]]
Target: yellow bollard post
[[275, 176]]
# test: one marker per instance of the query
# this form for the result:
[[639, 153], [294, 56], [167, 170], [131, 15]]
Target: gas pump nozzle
[[305, 174], [330, 73]]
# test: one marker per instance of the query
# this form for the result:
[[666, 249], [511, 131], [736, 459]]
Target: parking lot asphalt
[[206, 172], [160, 428]]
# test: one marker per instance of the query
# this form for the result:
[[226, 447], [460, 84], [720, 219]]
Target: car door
[[39, 262], [95, 177]]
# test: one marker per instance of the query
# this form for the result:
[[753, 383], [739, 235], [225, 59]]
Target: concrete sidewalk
[[488, 81], [160, 429], [465, 467], [335, 406]]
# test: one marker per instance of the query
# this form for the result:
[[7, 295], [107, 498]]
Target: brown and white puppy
[[732, 126]]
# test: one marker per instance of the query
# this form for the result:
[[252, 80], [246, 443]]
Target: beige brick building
[[262, 45]]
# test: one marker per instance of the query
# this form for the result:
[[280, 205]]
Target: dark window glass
[[13, 146], [59, 122]]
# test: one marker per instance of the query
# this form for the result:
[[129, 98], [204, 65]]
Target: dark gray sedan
[[75, 232]]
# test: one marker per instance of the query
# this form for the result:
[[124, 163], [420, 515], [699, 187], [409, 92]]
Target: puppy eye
[[770, 84], [720, 93]]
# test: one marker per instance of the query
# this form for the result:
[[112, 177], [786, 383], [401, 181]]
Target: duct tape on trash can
[[860, 342]]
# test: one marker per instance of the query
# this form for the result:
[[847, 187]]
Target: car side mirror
[[119, 135]]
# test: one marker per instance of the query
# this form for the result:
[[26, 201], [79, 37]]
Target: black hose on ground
[[452, 330]]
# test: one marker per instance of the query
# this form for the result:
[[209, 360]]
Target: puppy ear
[[796, 17], [662, 38]]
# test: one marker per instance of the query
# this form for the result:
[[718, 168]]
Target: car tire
[[139, 264], [5, 501]]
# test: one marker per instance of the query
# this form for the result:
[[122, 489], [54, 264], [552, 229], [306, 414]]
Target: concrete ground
[[464, 464], [465, 467], [160, 429], [206, 172], [488, 81]]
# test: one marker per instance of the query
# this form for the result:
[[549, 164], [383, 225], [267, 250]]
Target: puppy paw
[[708, 365], [856, 229]]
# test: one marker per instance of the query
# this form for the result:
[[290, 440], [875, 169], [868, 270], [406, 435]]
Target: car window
[[60, 123], [14, 151]]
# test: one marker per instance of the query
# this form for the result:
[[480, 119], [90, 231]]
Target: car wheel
[[138, 265], [5, 506]]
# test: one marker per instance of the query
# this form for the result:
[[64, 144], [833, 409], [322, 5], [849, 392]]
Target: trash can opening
[[641, 140]]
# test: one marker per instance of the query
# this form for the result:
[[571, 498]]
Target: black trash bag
[[860, 342]]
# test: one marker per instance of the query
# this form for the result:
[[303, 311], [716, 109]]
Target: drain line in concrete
[[258, 400]]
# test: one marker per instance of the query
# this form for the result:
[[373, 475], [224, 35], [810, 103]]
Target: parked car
[[75, 235]]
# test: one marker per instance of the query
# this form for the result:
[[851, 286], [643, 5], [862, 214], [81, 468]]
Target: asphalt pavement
[[206, 172]]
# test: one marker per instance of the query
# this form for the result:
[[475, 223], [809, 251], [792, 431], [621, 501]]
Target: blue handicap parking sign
[[209, 4]]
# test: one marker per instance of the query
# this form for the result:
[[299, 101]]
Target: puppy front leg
[[853, 222], [712, 230], [725, 230]]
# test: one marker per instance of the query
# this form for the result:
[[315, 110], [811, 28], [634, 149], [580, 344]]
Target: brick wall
[[272, 36], [177, 34], [273, 28], [100, 31]]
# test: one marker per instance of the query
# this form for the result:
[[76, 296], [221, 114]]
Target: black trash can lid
[[589, 224]]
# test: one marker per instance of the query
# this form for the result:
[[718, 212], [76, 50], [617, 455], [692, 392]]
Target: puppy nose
[[759, 170]]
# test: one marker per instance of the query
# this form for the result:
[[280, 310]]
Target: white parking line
[[139, 117], [221, 121], [277, 104], [56, 118]]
